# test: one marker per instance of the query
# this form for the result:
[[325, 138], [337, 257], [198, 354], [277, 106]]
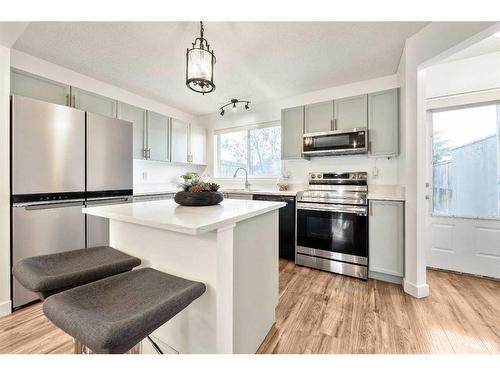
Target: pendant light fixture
[[200, 61], [233, 102]]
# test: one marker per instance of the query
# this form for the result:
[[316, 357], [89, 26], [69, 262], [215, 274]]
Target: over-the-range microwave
[[336, 142]]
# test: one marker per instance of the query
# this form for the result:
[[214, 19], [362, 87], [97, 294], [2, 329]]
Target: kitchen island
[[232, 247]]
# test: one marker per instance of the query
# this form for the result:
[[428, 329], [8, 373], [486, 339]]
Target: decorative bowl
[[205, 198]]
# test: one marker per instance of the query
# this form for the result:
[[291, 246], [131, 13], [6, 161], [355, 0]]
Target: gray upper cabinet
[[158, 137], [351, 112], [179, 135], [137, 116], [31, 86], [383, 122], [386, 236], [90, 102], [197, 146], [319, 117], [292, 130]]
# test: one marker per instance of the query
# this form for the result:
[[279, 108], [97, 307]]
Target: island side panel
[[192, 257], [256, 268]]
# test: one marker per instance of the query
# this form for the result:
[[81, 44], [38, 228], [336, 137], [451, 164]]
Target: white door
[[463, 221]]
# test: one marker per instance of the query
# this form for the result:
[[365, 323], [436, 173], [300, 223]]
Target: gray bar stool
[[50, 274], [114, 314]]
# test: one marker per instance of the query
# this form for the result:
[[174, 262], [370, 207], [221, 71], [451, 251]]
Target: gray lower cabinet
[[179, 134], [318, 117], [137, 116], [350, 112], [383, 123], [31, 86], [90, 102], [386, 240], [292, 130], [158, 137]]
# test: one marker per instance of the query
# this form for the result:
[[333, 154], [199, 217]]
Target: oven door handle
[[361, 211]]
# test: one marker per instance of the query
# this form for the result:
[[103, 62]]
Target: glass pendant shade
[[200, 66]]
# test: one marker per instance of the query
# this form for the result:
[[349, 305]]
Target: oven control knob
[[313, 175], [319, 176]]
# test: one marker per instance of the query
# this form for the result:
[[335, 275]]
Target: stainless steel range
[[332, 224]]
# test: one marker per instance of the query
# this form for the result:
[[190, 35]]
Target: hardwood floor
[[319, 312]]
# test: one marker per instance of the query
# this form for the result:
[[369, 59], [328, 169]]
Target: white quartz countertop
[[168, 215], [386, 192]]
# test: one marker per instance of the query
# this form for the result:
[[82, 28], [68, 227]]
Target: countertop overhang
[[168, 215]]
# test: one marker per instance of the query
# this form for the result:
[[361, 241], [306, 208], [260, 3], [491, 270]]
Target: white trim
[[262, 125], [475, 98], [5, 308], [417, 291]]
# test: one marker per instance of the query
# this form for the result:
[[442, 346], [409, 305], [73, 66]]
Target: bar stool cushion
[[112, 315], [53, 273]]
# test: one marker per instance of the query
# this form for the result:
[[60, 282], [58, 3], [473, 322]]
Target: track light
[[233, 103]]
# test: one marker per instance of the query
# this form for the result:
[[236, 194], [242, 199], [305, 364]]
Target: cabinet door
[[136, 116], [90, 102], [292, 130], [386, 230], [158, 136], [179, 132], [383, 122], [351, 112], [198, 144], [319, 117], [31, 86]]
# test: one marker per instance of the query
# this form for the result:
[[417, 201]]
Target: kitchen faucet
[[247, 185]]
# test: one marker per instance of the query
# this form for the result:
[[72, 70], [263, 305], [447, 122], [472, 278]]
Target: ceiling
[[485, 46], [257, 61]]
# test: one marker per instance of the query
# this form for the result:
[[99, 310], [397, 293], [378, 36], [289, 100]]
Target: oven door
[[332, 231], [352, 141]]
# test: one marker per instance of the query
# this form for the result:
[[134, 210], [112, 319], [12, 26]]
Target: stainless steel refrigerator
[[62, 160]]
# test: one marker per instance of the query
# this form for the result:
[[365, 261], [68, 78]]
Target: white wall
[[4, 181], [388, 169], [463, 76], [156, 176], [426, 47]]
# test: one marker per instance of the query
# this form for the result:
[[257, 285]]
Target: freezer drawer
[[44, 229], [97, 233], [109, 154], [48, 147]]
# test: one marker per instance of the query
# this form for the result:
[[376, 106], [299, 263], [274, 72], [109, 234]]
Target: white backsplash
[[388, 169], [151, 176]]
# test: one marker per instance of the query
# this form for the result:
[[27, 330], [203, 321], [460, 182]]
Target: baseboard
[[417, 291], [385, 277], [5, 308]]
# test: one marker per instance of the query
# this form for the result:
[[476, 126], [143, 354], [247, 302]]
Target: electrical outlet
[[375, 172]]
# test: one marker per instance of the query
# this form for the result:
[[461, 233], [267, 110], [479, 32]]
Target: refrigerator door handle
[[51, 204], [104, 201]]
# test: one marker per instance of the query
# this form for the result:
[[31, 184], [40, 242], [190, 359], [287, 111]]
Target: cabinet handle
[[68, 101], [370, 209], [73, 101], [334, 124]]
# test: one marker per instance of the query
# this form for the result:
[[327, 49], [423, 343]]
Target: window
[[257, 148], [465, 164]]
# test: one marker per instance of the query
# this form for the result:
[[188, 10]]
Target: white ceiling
[[256, 61], [485, 46]]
